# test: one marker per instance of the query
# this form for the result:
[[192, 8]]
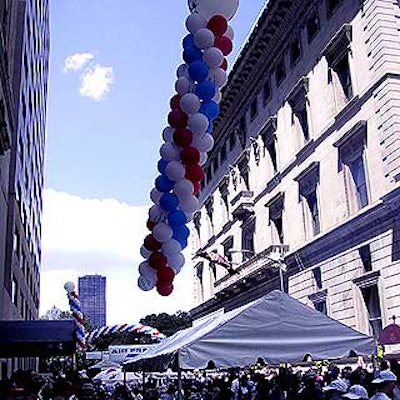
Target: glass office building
[[92, 293]]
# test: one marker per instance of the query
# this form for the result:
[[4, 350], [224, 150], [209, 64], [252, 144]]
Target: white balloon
[[195, 21], [171, 247], [183, 188], [189, 204], [209, 8], [176, 260], [198, 123], [155, 196], [218, 76], [69, 286], [145, 285], [230, 33], [190, 103], [147, 272], [144, 252], [203, 143], [217, 97], [170, 152], [175, 171], [182, 71], [204, 38], [168, 134], [162, 232], [203, 158], [213, 57], [156, 214], [182, 85]]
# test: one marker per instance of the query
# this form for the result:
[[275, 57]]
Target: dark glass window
[[295, 51], [342, 70], [371, 299], [357, 170], [248, 240], [278, 223], [321, 307], [318, 277], [266, 90], [271, 148], [215, 163], [280, 71], [365, 255], [232, 141], [302, 116], [228, 245], [314, 212], [312, 26], [332, 5], [254, 108]]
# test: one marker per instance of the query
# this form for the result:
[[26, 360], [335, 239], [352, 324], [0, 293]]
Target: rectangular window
[[276, 219], [342, 69], [16, 242], [248, 232], [14, 292], [371, 300], [312, 203], [295, 51], [280, 71], [271, 148], [232, 141], [254, 108], [321, 307], [228, 245], [215, 163], [359, 181], [266, 91], [312, 26], [365, 255], [318, 277], [223, 153]]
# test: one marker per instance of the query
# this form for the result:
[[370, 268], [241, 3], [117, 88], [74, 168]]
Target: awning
[[37, 338]]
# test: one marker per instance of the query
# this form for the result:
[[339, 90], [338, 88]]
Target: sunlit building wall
[[302, 188]]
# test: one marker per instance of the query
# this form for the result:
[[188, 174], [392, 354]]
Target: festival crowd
[[269, 384]]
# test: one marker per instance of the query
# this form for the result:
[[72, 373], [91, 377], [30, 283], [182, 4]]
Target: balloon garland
[[187, 139], [107, 330], [75, 307]]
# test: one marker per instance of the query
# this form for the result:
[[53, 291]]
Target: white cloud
[[89, 236], [76, 62], [96, 82]]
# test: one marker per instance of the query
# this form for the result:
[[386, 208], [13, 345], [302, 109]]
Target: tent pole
[[180, 384]]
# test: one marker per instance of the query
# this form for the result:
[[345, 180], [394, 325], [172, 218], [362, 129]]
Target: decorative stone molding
[[268, 131], [367, 280], [318, 297], [352, 143], [234, 171], [308, 179], [256, 150], [299, 93], [338, 45]]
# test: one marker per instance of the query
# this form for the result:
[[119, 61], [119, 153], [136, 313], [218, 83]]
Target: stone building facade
[[302, 187]]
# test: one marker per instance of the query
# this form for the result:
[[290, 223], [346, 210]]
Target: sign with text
[[124, 353]]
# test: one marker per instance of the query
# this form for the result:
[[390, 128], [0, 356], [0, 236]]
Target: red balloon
[[218, 25], [224, 44], [157, 260], [177, 118], [175, 102], [194, 173], [150, 225], [165, 275], [190, 156], [183, 137], [197, 187], [224, 64], [164, 290], [151, 244]]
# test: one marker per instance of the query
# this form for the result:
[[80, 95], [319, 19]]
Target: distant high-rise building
[[24, 60], [92, 293]]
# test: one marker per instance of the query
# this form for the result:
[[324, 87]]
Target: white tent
[[276, 328]]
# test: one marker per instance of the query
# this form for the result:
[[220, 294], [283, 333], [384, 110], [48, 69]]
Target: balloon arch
[[139, 328], [187, 139]]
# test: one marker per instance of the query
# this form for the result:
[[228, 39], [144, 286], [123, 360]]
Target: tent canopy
[[37, 338], [276, 328]]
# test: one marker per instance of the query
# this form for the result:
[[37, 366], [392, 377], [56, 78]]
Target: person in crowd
[[335, 389], [356, 392], [385, 385], [311, 389]]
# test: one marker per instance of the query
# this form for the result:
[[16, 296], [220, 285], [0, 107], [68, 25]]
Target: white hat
[[356, 392], [385, 376], [337, 384]]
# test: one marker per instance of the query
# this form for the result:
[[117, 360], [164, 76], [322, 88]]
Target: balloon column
[[187, 139], [75, 307]]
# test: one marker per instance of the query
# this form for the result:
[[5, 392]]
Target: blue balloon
[[210, 110], [206, 90], [192, 54], [163, 184], [162, 164], [181, 233], [169, 202], [184, 244], [198, 71], [177, 218], [188, 41]]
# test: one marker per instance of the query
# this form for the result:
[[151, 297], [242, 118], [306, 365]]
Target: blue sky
[[112, 73]]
